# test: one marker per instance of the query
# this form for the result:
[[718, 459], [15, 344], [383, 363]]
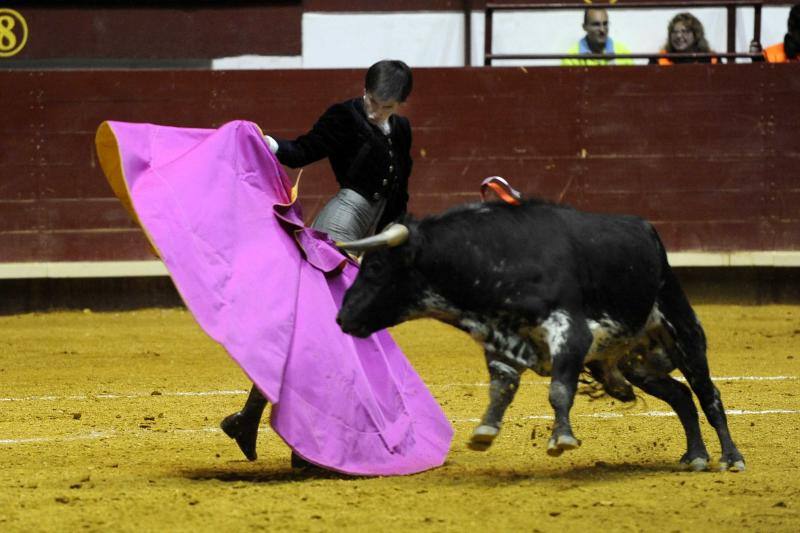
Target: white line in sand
[[107, 434], [238, 392]]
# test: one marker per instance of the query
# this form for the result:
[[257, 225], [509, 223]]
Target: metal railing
[[730, 5]]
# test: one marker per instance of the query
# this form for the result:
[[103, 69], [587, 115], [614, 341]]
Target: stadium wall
[[708, 153], [256, 34]]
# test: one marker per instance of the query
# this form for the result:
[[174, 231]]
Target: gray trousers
[[348, 216]]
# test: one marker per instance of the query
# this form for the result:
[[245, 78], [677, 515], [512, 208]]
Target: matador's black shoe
[[243, 425], [244, 431]]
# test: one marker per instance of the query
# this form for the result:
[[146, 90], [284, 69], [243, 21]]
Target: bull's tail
[[679, 318], [689, 354]]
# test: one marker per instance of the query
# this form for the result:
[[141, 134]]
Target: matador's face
[[378, 111]]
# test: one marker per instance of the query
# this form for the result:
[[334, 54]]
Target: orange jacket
[[668, 61], [776, 54]]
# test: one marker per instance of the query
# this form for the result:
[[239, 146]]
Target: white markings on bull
[[500, 267], [611, 340], [476, 329], [556, 330], [434, 305], [605, 332], [654, 319], [717, 404], [491, 333]]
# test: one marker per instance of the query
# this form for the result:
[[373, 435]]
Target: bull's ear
[[406, 219]]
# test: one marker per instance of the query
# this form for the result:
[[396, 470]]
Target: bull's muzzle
[[352, 328]]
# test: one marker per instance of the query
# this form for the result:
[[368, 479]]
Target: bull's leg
[[504, 381], [243, 425], [569, 339], [689, 354], [695, 367], [507, 356], [679, 397]]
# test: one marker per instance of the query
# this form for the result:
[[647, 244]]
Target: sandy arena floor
[[108, 421]]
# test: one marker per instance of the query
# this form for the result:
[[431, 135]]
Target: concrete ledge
[[138, 269], [703, 284], [83, 269], [777, 258]]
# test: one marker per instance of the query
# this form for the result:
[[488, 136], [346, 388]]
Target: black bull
[[552, 289]]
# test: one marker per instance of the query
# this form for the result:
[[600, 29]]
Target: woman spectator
[[685, 35]]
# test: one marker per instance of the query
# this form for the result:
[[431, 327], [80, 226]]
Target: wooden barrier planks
[[708, 153]]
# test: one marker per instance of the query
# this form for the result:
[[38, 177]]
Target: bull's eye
[[372, 269], [374, 264]]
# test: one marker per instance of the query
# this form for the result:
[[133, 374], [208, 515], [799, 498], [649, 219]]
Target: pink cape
[[220, 212]]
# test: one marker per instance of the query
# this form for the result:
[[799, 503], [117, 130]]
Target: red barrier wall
[[158, 30], [708, 153]]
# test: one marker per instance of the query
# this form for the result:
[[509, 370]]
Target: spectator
[[685, 35], [789, 50], [596, 41]]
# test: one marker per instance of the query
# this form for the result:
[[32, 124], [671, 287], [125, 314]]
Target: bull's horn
[[394, 235]]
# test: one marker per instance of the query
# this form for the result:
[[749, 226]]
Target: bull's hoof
[[731, 464], [236, 427], [695, 460], [698, 464], [482, 438], [557, 445], [622, 392]]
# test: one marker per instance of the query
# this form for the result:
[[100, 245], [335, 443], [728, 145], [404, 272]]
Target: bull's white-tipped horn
[[394, 235]]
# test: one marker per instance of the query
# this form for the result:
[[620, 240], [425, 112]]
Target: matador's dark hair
[[389, 79]]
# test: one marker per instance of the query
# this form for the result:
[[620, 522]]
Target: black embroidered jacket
[[362, 157]]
